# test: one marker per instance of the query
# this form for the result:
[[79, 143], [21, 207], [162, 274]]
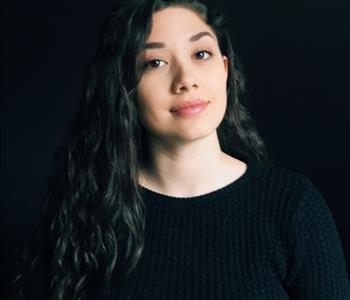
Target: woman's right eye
[[152, 64]]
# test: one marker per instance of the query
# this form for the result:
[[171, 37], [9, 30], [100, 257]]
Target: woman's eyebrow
[[193, 38]]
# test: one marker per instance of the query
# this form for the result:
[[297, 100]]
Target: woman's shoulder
[[268, 175], [270, 172], [308, 232], [293, 196], [281, 181]]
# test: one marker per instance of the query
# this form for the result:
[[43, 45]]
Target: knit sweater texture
[[267, 235]]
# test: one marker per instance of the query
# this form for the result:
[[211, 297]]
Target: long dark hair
[[93, 219]]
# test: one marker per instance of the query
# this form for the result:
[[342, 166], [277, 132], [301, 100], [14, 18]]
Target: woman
[[165, 190]]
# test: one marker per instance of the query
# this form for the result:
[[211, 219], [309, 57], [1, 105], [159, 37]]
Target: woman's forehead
[[195, 37], [176, 22]]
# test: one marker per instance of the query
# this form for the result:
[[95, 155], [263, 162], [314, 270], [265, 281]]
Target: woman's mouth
[[189, 108]]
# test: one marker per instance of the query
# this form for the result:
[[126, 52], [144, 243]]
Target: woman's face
[[181, 62]]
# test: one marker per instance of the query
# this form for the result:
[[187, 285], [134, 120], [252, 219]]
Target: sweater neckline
[[153, 197]]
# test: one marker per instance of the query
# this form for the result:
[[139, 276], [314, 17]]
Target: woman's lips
[[189, 108]]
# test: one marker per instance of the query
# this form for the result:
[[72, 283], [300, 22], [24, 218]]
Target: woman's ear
[[225, 61]]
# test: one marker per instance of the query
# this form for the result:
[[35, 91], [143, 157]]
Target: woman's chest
[[206, 263]]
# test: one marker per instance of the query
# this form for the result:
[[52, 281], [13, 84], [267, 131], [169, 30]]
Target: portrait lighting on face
[[182, 92]]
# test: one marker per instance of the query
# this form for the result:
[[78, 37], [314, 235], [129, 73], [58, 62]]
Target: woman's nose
[[184, 79]]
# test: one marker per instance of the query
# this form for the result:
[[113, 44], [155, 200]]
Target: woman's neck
[[191, 169]]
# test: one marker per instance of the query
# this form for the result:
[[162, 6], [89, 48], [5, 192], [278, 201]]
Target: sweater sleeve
[[317, 264]]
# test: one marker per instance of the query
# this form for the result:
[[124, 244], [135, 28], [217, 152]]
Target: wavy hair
[[92, 227]]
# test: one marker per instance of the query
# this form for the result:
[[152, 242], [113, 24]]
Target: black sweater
[[267, 235]]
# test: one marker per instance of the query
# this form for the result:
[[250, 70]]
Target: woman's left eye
[[203, 54]]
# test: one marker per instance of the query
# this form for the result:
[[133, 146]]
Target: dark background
[[296, 56]]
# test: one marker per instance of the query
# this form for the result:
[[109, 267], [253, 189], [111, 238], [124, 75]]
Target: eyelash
[[146, 65]]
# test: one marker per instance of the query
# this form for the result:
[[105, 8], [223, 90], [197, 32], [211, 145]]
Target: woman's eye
[[152, 64], [157, 63], [203, 54]]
